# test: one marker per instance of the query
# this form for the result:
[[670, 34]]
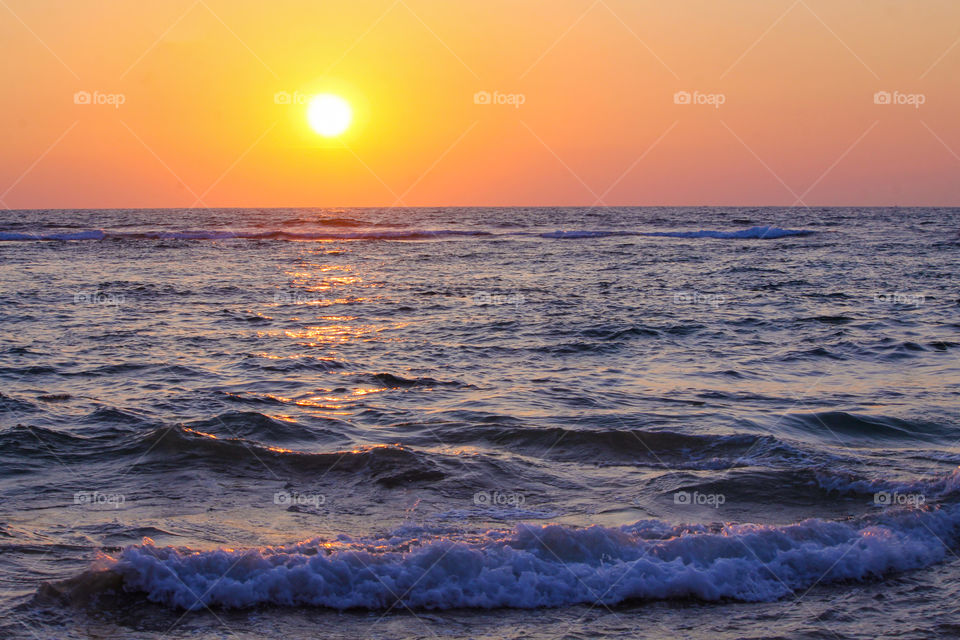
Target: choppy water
[[483, 423]]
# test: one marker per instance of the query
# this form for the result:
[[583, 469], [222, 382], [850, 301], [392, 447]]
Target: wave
[[391, 381], [760, 233], [325, 222], [588, 234], [21, 443], [828, 319], [819, 486], [613, 332], [534, 566], [240, 441], [849, 484], [411, 234], [292, 365], [24, 449], [387, 465], [857, 428], [11, 405], [216, 234], [79, 235], [255, 426], [627, 447]]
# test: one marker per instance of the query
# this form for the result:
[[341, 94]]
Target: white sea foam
[[545, 566], [758, 233], [844, 483], [766, 232]]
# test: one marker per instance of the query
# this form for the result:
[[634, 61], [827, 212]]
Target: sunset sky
[[590, 111]]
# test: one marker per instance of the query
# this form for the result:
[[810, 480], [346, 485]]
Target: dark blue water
[[480, 423]]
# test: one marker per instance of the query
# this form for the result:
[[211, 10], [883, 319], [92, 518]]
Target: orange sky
[[199, 124]]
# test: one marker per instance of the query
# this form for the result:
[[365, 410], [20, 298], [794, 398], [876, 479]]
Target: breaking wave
[[536, 566]]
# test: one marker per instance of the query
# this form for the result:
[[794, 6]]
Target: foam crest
[[845, 483], [758, 233], [545, 566]]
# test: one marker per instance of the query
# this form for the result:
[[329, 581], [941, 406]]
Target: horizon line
[[525, 206]]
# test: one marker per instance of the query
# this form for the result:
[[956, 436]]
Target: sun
[[329, 115]]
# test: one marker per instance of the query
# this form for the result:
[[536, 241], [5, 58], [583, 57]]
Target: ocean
[[480, 423]]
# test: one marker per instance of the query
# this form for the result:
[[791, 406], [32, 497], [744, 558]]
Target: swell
[[223, 234], [616, 447], [325, 222], [25, 449], [758, 233], [249, 437], [391, 381], [256, 426], [535, 566], [821, 485], [239, 439], [755, 233], [855, 428], [388, 465]]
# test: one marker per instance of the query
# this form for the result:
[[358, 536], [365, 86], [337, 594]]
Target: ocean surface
[[708, 423]]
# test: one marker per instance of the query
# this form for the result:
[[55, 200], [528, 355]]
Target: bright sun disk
[[329, 115]]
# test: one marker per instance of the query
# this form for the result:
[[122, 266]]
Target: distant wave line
[[756, 233]]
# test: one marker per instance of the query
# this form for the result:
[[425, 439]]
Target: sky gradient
[[593, 106]]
